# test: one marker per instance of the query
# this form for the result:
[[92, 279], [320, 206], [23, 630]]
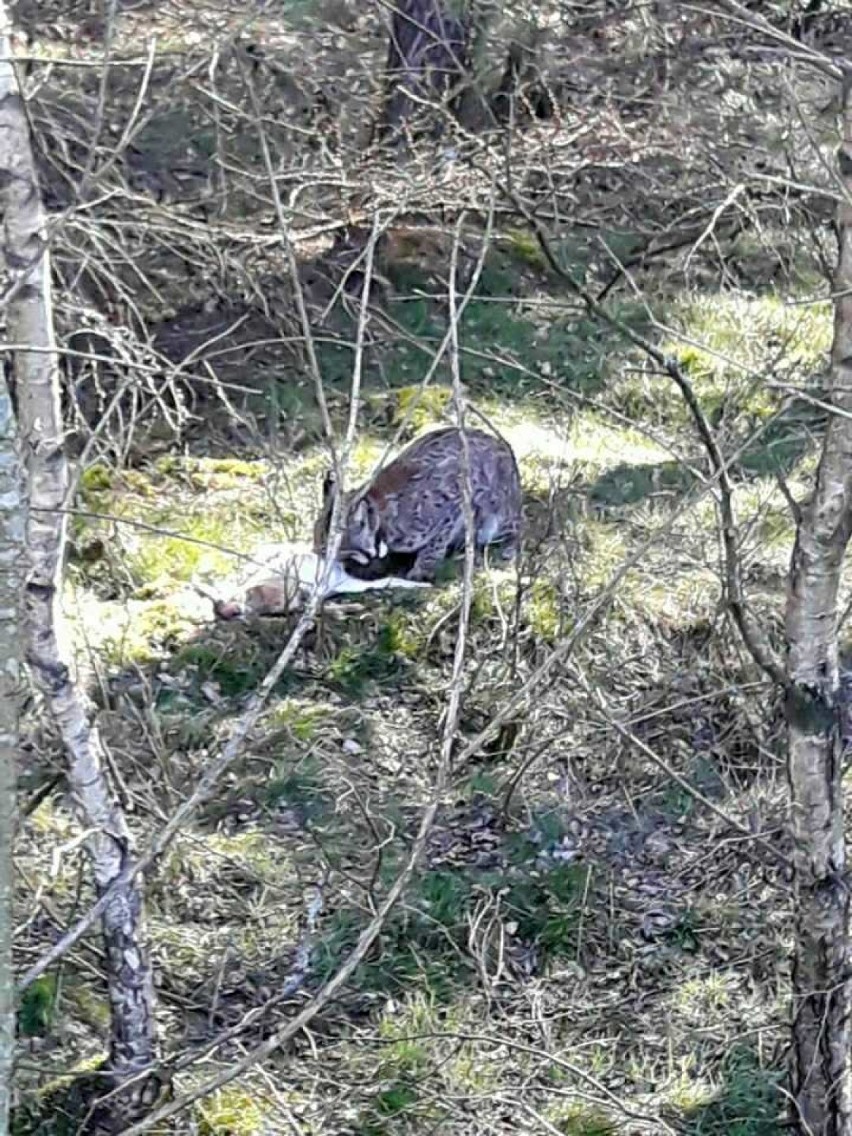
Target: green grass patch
[[236, 667], [425, 942], [746, 1101], [37, 1008], [357, 668], [575, 1119], [729, 347], [629, 484]]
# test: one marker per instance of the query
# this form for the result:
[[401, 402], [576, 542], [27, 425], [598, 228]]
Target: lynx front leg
[[434, 552]]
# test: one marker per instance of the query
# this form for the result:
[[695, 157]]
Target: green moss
[[544, 610], [197, 516], [160, 562], [525, 247], [421, 406], [212, 473], [231, 1112], [37, 1007], [97, 478]]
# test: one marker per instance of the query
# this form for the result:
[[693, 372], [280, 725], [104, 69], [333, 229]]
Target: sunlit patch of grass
[[421, 1041], [187, 951], [603, 548], [688, 1092], [725, 341], [545, 610], [729, 346], [402, 1025], [248, 847], [135, 631], [185, 517], [50, 819], [735, 332], [365, 455], [159, 562], [705, 999], [192, 932], [595, 445], [686, 596], [534, 439]]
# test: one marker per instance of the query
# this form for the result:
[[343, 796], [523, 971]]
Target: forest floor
[[588, 947]]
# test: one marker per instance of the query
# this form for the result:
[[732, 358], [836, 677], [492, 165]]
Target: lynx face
[[362, 542], [362, 536]]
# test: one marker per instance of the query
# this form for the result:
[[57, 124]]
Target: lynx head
[[362, 541], [362, 538]]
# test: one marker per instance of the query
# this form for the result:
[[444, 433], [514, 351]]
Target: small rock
[[211, 692]]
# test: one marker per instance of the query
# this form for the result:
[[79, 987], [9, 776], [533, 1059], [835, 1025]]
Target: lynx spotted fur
[[410, 516]]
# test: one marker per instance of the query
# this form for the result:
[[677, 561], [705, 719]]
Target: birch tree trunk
[[821, 1039], [11, 549], [26, 269]]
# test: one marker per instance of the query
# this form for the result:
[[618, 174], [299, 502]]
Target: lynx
[[410, 517]]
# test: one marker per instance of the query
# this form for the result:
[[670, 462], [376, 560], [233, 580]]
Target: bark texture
[[11, 549], [427, 59], [26, 284], [820, 1055]]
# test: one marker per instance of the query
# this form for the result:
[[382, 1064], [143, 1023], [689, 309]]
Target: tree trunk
[[11, 549], [25, 261], [427, 59], [820, 1054]]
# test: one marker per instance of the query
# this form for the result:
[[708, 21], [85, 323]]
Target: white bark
[[25, 261], [11, 548], [820, 1053]]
